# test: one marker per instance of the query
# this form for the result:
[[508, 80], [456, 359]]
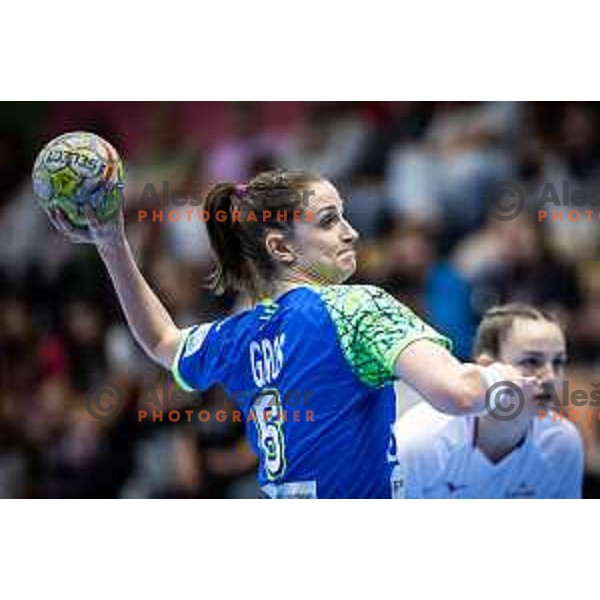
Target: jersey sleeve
[[201, 360], [373, 329]]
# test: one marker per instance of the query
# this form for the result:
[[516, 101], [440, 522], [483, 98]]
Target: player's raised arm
[[148, 320], [446, 383]]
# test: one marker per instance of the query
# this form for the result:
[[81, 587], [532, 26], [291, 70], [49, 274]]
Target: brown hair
[[243, 262], [497, 323]]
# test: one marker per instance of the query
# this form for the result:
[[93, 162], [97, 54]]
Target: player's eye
[[559, 363], [531, 363], [329, 220]]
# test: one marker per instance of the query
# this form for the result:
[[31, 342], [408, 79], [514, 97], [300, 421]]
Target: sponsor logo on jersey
[[523, 491], [454, 488]]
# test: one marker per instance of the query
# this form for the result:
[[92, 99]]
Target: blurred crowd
[[416, 178]]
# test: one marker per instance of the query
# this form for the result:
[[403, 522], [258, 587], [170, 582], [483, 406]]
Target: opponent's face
[[324, 249], [538, 349]]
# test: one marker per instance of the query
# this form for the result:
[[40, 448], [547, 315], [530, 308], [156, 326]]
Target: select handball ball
[[78, 169]]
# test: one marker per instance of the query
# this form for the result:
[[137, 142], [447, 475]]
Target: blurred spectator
[[571, 165], [407, 256], [14, 161], [508, 261], [442, 178], [366, 204], [330, 141], [234, 156], [84, 340]]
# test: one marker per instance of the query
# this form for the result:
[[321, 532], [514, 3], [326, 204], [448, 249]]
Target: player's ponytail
[[232, 270]]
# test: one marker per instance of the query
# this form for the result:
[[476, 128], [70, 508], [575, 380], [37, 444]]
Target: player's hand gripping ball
[[78, 170]]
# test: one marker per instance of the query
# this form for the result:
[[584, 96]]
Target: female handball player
[[527, 451], [282, 240]]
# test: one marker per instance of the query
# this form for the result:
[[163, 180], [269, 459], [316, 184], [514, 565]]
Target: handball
[[76, 170]]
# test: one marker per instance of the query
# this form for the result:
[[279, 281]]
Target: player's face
[[538, 349], [325, 247]]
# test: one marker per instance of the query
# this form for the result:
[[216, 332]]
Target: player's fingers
[[52, 218], [60, 218], [68, 230], [56, 219]]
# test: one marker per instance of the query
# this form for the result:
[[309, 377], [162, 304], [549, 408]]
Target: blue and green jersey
[[313, 376]]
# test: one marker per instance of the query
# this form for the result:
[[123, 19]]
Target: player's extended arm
[[447, 384], [148, 320]]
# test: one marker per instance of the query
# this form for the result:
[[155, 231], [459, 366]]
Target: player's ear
[[485, 360], [278, 247]]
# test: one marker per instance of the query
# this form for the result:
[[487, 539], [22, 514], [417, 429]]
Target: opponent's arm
[[148, 320]]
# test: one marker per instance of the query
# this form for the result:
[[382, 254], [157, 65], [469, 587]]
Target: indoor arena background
[[416, 178]]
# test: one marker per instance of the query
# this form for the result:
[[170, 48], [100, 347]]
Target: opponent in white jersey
[[527, 456]]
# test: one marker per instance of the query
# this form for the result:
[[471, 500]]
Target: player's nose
[[548, 375], [349, 234]]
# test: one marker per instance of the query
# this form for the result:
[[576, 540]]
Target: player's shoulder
[[360, 302], [234, 322], [426, 429], [555, 434], [350, 293], [296, 308], [303, 305]]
